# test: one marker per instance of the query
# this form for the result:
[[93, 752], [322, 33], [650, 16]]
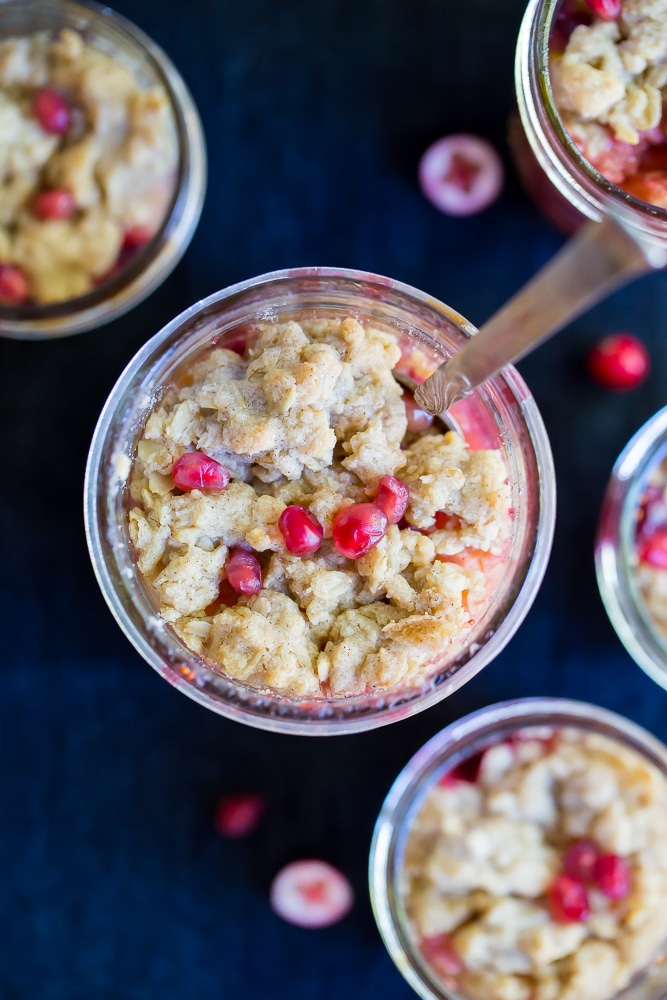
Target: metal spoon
[[600, 258]]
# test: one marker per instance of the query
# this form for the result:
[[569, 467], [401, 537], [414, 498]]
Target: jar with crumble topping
[[284, 536], [102, 167], [520, 854]]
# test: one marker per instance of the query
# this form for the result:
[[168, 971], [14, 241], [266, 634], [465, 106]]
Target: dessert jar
[[503, 723], [616, 557], [544, 152], [503, 408], [148, 267]]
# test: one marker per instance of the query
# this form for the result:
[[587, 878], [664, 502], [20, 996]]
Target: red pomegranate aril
[[612, 876], [439, 952], [311, 893], [568, 900], [418, 420], [580, 859], [357, 528], [461, 174], [56, 204], [619, 361], [196, 471], [244, 571], [238, 815], [608, 10], [653, 549], [52, 111], [301, 530], [392, 497], [14, 287], [136, 237]]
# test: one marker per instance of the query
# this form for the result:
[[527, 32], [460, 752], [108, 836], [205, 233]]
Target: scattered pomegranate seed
[[52, 111], [14, 287], [238, 815], [357, 528], [608, 10], [461, 174], [244, 571], [568, 900], [619, 361], [653, 549], [56, 204], [136, 237], [612, 876], [195, 471], [301, 530], [439, 952], [580, 859], [311, 894], [392, 497], [467, 770], [418, 420]]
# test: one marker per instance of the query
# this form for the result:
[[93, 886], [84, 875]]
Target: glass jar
[[577, 187], [151, 264], [503, 408], [615, 558], [445, 751]]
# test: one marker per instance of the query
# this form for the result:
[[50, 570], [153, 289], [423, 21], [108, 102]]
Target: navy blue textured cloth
[[114, 883]]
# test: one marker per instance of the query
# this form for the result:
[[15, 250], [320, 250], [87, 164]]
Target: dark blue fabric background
[[114, 884]]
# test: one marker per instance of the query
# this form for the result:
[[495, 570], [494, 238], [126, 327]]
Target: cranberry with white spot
[[55, 204], [619, 361], [568, 900], [580, 859], [608, 10], [461, 174], [357, 528], [612, 876], [392, 497], [52, 111], [311, 894], [244, 571], [418, 420], [14, 287], [238, 815], [196, 471], [301, 530]]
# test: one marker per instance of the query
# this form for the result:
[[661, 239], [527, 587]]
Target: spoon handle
[[600, 258]]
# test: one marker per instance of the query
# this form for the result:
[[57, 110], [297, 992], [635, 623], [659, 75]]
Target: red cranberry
[[52, 111], [461, 174], [136, 237], [56, 204], [244, 571], [580, 859], [612, 876], [608, 10], [619, 361], [392, 497], [439, 952], [301, 530], [238, 815], [311, 894], [357, 528], [14, 287], [195, 471], [653, 549], [418, 420], [568, 900]]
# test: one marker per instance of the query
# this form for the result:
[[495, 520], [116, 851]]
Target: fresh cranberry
[[195, 471], [619, 361], [392, 497], [418, 420], [608, 10], [612, 876], [136, 237], [311, 894], [357, 528], [56, 204], [301, 530], [14, 287], [580, 859], [238, 815], [653, 549], [440, 954], [467, 770], [52, 111], [244, 571], [461, 174], [568, 900]]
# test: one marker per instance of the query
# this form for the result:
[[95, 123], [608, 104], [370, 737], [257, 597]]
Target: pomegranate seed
[[619, 361], [136, 237], [244, 571], [612, 876], [311, 894], [568, 900], [14, 287], [580, 859], [461, 174], [392, 497], [439, 952], [608, 10], [57, 204], [52, 111], [357, 528], [301, 530], [653, 549], [418, 420], [238, 815], [467, 770], [195, 471]]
